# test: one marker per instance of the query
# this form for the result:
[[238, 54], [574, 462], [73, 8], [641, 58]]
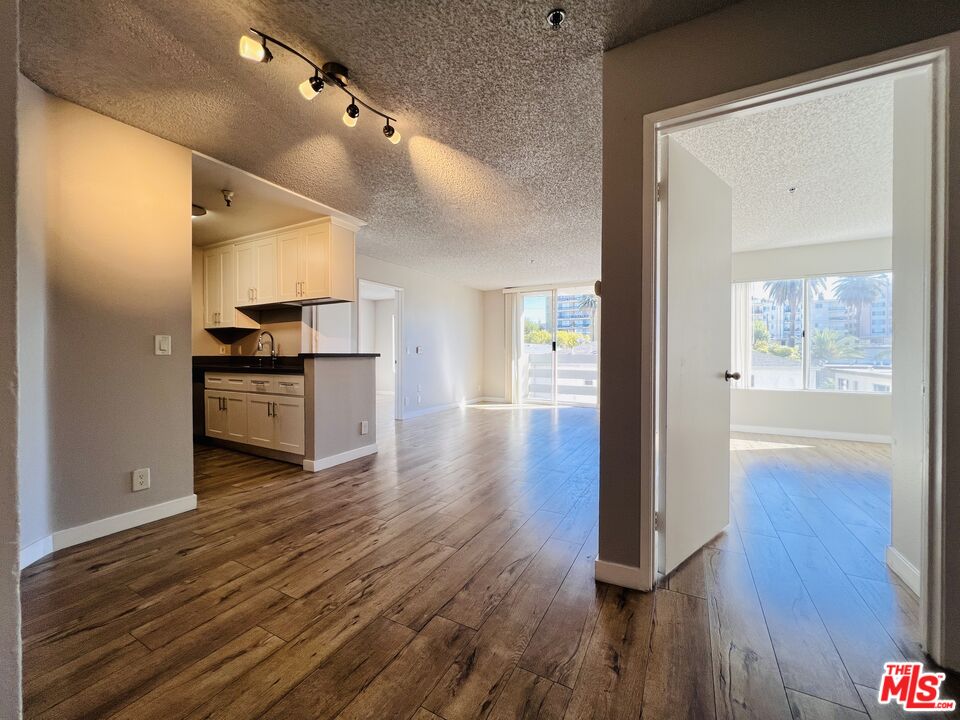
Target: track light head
[[390, 133], [311, 87], [351, 114], [251, 49]]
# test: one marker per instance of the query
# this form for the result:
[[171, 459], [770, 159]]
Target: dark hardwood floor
[[451, 576]]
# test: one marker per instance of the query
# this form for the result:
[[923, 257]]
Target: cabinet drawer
[[289, 385], [262, 384], [225, 381]]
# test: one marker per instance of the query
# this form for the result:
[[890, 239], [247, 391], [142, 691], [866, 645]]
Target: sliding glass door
[[559, 346], [537, 364]]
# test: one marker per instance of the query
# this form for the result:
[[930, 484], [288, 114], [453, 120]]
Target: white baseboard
[[101, 528], [338, 459], [626, 576], [818, 434], [36, 551], [488, 399], [904, 569]]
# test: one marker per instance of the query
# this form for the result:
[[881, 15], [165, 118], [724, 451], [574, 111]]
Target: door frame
[[397, 341], [932, 54]]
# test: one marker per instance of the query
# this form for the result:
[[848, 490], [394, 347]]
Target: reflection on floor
[[810, 526], [451, 576]]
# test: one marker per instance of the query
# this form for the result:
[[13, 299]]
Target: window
[[830, 332]]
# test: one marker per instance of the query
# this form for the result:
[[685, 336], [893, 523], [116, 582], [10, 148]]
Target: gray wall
[[746, 44], [9, 524], [115, 239]]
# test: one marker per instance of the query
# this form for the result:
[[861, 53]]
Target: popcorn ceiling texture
[[836, 150], [497, 181]]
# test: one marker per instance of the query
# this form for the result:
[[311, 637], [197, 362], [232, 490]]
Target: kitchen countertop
[[284, 364], [339, 355]]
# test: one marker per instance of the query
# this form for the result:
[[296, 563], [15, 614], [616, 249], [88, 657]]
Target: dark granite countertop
[[339, 355], [283, 364]]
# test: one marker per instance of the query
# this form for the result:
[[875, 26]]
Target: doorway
[[558, 346], [379, 309], [823, 347]]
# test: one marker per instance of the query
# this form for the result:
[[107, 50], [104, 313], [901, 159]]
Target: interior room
[[478, 360]]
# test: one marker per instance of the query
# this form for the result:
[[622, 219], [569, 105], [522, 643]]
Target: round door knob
[[728, 376]]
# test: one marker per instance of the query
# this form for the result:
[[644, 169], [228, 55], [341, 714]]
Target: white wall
[[445, 319], [494, 345], [814, 414], [115, 237], [910, 191], [10, 685], [384, 314], [366, 325]]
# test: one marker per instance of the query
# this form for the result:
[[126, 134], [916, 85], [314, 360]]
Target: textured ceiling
[[836, 150], [498, 178]]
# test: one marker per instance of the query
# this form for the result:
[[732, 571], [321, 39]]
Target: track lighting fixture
[[312, 86], [250, 49], [333, 73], [351, 114], [391, 133]]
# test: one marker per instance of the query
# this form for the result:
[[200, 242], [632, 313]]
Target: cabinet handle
[[274, 409], [269, 405]]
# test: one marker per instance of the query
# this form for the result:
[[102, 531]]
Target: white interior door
[[696, 235]]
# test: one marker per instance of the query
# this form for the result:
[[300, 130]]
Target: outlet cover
[[141, 479], [364, 427]]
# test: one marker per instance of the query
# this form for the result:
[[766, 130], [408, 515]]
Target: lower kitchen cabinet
[[256, 418]]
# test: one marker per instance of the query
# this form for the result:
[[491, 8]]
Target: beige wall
[[117, 255], [746, 44], [9, 523], [494, 346], [446, 320]]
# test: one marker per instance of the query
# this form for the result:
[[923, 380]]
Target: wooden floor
[[451, 576]]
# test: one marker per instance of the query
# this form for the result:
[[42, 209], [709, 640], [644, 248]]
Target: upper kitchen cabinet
[[318, 263], [257, 271], [220, 290]]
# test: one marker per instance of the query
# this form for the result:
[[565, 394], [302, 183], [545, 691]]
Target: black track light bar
[[318, 69]]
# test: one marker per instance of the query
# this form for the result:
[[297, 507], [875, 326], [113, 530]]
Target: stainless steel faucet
[[273, 344]]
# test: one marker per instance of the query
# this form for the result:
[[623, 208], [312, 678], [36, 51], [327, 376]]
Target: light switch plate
[[364, 427], [162, 345]]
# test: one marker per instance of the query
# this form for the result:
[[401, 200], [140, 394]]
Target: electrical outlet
[[141, 479], [364, 427]]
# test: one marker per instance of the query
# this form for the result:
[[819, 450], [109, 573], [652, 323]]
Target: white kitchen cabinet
[[214, 415], [256, 262], [226, 415], [318, 262], [288, 424], [219, 290], [263, 410], [261, 428]]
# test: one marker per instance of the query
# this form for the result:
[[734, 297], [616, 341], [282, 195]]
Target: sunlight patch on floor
[[741, 445]]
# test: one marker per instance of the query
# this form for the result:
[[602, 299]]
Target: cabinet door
[[316, 262], [246, 254], [212, 288], [266, 287], [260, 425], [236, 414], [215, 417], [290, 254], [289, 424]]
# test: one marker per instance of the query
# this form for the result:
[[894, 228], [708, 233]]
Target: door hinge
[[659, 190], [657, 521]]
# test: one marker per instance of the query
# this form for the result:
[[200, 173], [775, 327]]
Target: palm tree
[[788, 293], [858, 291], [830, 345], [590, 303]]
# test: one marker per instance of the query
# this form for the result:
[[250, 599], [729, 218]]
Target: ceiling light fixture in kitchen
[[333, 73]]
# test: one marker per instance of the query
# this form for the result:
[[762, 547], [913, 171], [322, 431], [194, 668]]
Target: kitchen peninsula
[[316, 409]]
